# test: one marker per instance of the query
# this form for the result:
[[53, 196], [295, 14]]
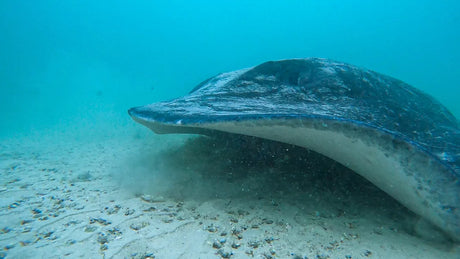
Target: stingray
[[396, 136]]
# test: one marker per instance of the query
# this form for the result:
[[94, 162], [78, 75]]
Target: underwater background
[[79, 65], [80, 178]]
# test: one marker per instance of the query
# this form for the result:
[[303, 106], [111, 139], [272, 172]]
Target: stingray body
[[394, 135]]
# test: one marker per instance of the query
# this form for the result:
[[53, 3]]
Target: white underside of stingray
[[405, 172], [380, 164]]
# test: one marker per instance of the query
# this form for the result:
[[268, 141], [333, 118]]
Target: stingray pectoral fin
[[410, 175]]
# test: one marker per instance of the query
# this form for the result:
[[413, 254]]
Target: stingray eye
[[293, 79], [446, 157]]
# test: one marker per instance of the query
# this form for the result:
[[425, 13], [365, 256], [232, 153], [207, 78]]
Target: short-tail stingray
[[394, 135]]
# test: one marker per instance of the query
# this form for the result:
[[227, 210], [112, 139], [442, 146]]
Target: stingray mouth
[[162, 122], [142, 114]]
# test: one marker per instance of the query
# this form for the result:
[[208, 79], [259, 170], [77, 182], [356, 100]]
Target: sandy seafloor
[[141, 195]]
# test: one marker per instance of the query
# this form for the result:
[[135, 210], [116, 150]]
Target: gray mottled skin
[[317, 88]]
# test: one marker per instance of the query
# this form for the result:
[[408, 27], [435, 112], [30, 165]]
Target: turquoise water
[[71, 69], [84, 63]]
